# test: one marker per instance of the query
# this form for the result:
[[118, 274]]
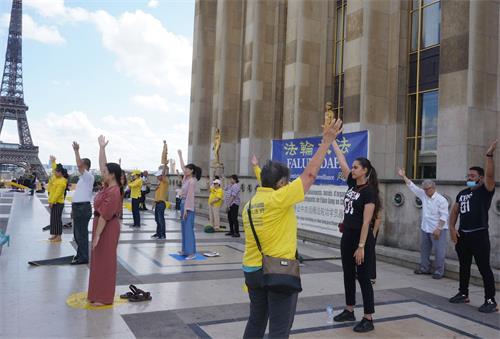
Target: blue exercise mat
[[179, 257]]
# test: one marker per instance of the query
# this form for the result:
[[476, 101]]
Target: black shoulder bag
[[279, 274]]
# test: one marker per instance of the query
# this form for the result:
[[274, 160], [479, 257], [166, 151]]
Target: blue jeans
[[187, 225], [160, 218], [135, 212]]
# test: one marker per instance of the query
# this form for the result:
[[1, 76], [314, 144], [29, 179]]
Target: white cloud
[[34, 31], [153, 103], [146, 51], [130, 138], [153, 3]]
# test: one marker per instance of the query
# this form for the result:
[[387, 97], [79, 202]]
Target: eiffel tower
[[12, 106]]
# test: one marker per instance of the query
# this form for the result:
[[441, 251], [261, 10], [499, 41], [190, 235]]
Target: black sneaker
[[230, 233], [237, 235], [345, 316], [155, 236], [459, 298], [364, 325], [46, 228], [419, 271], [489, 306]]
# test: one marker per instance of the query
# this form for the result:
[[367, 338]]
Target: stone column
[[202, 82], [376, 78], [227, 80], [305, 68], [262, 80]]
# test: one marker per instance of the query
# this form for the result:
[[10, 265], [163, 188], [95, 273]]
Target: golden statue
[[216, 147], [329, 115], [164, 154]]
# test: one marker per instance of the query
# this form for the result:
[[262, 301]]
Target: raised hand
[[255, 162], [331, 131], [76, 147], [492, 148], [52, 158], [179, 152], [401, 172], [102, 141]]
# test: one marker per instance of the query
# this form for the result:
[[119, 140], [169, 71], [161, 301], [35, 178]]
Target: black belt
[[81, 203]]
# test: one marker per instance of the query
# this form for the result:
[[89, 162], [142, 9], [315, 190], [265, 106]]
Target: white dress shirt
[[434, 209], [84, 187]]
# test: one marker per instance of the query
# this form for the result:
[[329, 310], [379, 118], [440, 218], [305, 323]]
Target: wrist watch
[[361, 245]]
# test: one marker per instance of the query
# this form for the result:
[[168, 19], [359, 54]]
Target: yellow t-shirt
[[214, 194], [135, 188], [161, 191], [57, 189], [273, 216]]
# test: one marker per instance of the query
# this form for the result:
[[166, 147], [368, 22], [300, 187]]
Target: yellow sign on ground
[[79, 300]]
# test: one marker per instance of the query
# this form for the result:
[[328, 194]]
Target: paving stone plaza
[[202, 298]]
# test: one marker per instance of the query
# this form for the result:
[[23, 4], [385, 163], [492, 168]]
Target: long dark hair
[[372, 178], [115, 170], [196, 170]]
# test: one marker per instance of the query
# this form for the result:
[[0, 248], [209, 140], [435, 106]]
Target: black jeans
[[142, 201], [232, 216], [348, 245], [135, 212], [82, 212], [160, 218], [278, 308], [475, 244]]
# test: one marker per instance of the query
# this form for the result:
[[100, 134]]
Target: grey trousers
[[427, 242]]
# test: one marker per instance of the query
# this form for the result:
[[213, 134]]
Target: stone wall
[[401, 225]]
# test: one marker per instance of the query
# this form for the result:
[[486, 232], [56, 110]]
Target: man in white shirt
[[434, 220], [81, 208]]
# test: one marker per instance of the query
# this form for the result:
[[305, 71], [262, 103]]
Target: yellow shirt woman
[[57, 189], [216, 193], [135, 188], [275, 222]]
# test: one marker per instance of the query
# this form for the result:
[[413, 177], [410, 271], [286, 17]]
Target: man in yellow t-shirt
[[215, 200], [161, 197], [135, 185]]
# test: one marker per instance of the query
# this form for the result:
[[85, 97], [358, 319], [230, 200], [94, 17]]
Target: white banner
[[322, 209]]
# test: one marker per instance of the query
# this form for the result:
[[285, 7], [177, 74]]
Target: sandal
[[134, 290], [141, 296]]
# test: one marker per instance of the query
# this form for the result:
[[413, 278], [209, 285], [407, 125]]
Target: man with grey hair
[[434, 220]]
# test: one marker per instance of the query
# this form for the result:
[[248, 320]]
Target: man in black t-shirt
[[472, 238]]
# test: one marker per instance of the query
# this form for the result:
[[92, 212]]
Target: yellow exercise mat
[[79, 300], [15, 184]]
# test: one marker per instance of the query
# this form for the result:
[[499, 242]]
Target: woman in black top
[[357, 246]]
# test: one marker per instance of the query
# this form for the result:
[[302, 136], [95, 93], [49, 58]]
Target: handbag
[[279, 274]]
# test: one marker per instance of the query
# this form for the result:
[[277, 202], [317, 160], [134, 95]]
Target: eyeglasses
[[427, 188]]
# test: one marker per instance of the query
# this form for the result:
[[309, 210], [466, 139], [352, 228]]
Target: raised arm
[[414, 188], [256, 169], [344, 166], [102, 152], [79, 163], [330, 132], [489, 175]]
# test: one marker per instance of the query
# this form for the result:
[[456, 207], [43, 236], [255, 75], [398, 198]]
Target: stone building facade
[[422, 76]]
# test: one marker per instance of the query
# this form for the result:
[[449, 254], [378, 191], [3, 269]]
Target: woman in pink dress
[[105, 232]]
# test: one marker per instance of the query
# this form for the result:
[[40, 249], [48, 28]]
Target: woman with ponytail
[[192, 175], [105, 232], [357, 246]]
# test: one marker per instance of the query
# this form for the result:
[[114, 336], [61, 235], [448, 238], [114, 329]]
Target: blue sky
[[117, 67]]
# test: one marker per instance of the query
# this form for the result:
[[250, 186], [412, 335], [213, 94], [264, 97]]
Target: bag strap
[[252, 226]]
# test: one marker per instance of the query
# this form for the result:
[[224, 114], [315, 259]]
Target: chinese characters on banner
[[323, 207]]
